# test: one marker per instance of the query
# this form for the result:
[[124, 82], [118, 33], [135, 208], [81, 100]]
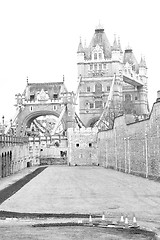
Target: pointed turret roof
[[99, 28], [101, 39], [119, 45], [115, 46], [142, 62], [130, 58], [80, 47]]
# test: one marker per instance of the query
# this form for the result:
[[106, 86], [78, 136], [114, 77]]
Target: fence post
[[115, 140], [125, 155], [146, 151], [129, 160]]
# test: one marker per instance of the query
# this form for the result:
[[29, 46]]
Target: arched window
[[91, 66], [95, 56], [98, 88], [95, 67], [100, 55]]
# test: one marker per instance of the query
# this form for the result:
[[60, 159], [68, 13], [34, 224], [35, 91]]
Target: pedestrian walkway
[[7, 181]]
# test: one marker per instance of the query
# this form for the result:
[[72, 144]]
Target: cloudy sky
[[39, 39]]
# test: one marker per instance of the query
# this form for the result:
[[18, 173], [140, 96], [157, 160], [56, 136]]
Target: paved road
[[63, 189]]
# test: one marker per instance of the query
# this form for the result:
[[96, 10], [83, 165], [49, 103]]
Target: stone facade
[[82, 146], [97, 65], [15, 155], [132, 148], [48, 148], [43, 99]]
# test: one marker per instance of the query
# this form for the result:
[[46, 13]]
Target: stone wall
[[82, 148], [14, 155], [132, 148]]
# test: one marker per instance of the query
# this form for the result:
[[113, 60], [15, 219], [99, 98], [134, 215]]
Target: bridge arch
[[92, 121], [29, 118]]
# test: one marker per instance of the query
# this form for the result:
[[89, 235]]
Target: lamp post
[[2, 124], [11, 127]]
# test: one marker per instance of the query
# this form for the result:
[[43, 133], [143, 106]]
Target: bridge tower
[[44, 109], [135, 87], [97, 65]]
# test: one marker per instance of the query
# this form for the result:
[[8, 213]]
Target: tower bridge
[[111, 83], [47, 108], [97, 64], [40, 107], [46, 127]]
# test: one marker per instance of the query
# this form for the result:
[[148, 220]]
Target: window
[[91, 66], [55, 95], [95, 67], [108, 88], [91, 105], [100, 55], [100, 66], [104, 65], [90, 144], [136, 98], [127, 97], [98, 88], [32, 97], [77, 144], [98, 104], [54, 107], [88, 89], [95, 56]]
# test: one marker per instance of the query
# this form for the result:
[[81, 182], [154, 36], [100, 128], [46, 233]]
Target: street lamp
[[2, 124], [11, 127]]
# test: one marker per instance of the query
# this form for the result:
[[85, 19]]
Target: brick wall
[[132, 148]]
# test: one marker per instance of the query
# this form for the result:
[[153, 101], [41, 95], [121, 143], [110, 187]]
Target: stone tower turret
[[115, 50], [97, 71], [80, 58]]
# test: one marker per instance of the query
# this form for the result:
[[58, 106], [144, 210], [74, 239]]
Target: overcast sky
[[39, 39]]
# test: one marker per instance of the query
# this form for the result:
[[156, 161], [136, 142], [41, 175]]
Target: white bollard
[[90, 218], [126, 222], [122, 219], [103, 217], [134, 221]]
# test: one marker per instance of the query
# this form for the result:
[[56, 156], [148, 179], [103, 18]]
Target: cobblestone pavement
[[64, 189]]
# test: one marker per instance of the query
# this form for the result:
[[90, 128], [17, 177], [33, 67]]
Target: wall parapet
[[12, 140]]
